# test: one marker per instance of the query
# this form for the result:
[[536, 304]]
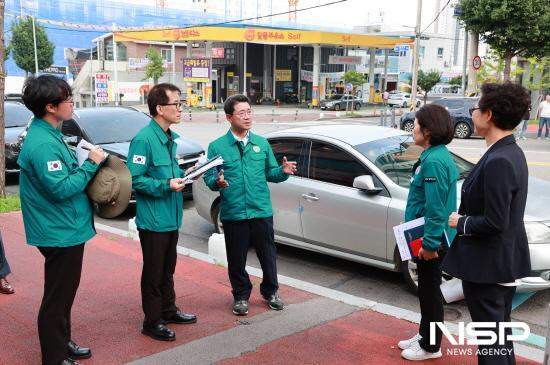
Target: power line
[[437, 16]]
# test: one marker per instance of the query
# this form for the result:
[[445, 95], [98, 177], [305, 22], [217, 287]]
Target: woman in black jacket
[[490, 251]]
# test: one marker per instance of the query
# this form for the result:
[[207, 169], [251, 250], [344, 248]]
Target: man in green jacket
[[57, 213], [245, 208], [158, 182]]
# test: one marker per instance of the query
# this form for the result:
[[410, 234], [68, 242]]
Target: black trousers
[[158, 297], [491, 303], [238, 237], [4, 266], [431, 300], [62, 269]]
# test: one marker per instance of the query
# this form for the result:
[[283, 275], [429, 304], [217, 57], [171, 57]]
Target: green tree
[[355, 78], [427, 80], [511, 27], [456, 82], [22, 46], [154, 69]]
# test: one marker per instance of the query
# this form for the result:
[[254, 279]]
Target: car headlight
[[538, 232]]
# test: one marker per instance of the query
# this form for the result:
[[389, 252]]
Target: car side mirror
[[366, 183]]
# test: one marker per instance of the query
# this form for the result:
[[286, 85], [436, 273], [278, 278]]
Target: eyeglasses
[[70, 101], [472, 109], [243, 113], [178, 105]]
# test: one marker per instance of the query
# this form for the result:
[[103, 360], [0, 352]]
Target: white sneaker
[[417, 353], [538, 137], [524, 138], [405, 344], [547, 138]]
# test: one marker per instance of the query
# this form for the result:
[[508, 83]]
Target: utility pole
[[115, 86], [35, 51], [465, 63], [2, 122], [415, 54]]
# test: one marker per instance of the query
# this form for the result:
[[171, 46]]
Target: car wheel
[[357, 106], [218, 225], [404, 104], [336, 107], [417, 104], [462, 130], [408, 126]]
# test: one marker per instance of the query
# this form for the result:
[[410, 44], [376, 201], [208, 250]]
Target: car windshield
[[395, 156], [336, 97], [111, 125], [16, 115]]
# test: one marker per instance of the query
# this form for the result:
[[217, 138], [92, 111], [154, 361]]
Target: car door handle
[[310, 197]]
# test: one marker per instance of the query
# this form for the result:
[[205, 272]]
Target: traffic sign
[[348, 88], [476, 62]]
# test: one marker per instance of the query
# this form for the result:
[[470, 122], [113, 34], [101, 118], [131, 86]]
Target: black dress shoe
[[77, 352], [159, 332], [181, 318], [68, 361]]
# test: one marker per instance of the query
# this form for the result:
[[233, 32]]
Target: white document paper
[[203, 167], [399, 232], [83, 150]]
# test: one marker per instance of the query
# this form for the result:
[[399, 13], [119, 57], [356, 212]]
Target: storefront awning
[[263, 36]]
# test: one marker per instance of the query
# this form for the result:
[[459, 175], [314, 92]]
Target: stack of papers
[[83, 150], [201, 168]]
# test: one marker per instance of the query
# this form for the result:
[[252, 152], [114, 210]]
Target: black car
[[17, 116], [460, 114], [113, 128], [341, 101]]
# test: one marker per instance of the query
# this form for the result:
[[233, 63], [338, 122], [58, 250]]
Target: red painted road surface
[[107, 312]]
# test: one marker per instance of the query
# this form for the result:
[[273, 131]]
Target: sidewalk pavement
[[107, 316]]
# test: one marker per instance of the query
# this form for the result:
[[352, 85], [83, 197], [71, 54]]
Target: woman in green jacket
[[432, 195]]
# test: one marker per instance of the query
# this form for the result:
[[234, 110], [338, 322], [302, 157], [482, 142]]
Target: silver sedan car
[[351, 190]]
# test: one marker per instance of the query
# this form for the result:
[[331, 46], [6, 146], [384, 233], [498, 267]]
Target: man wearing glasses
[[245, 208], [158, 182], [57, 213]]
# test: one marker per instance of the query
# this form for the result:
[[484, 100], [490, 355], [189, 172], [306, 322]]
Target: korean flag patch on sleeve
[[54, 166], [140, 160]]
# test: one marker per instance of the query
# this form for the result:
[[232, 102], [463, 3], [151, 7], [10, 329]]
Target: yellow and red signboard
[[262, 35], [283, 75]]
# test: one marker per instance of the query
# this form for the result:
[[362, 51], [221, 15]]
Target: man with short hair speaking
[[246, 213]]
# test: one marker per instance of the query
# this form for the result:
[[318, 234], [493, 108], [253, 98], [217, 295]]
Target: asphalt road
[[352, 278]]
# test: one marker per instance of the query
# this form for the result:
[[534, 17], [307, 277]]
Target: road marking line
[[527, 352]]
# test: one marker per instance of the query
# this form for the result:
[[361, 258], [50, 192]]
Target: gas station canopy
[[263, 35]]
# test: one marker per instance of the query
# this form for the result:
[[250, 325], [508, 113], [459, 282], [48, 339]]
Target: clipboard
[[203, 167]]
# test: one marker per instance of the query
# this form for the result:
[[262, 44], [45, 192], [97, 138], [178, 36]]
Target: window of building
[[121, 51], [166, 54], [230, 53], [421, 51], [440, 53]]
